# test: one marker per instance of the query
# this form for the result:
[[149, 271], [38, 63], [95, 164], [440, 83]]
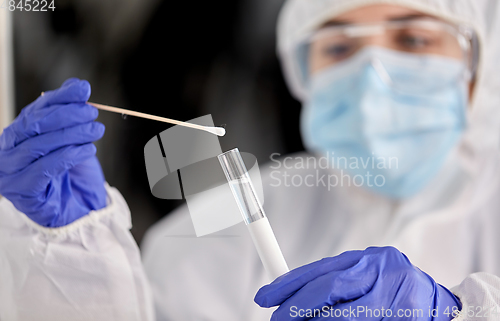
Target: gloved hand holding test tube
[[253, 213]]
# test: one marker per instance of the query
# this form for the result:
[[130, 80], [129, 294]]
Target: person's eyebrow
[[409, 17], [333, 23], [340, 22]]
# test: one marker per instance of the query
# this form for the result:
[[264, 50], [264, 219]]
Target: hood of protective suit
[[299, 17]]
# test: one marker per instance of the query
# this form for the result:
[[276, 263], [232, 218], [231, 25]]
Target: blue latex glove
[[354, 283], [48, 168]]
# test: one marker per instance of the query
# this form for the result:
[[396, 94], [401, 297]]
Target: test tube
[[253, 214]]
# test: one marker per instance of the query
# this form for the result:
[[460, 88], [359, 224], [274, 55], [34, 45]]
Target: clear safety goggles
[[333, 45]]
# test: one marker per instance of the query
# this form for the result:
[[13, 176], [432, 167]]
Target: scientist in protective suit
[[401, 96]]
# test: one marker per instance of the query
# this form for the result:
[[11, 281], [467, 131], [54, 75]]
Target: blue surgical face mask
[[388, 116]]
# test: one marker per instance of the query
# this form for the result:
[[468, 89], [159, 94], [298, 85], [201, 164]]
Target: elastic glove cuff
[[115, 204]]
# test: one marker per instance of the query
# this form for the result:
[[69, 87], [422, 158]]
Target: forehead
[[375, 13]]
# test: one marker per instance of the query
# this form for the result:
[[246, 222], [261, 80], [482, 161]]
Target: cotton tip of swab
[[219, 131]]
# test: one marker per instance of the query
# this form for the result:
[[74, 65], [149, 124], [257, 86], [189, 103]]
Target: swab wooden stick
[[219, 131]]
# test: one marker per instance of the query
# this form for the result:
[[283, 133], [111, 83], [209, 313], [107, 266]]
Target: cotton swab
[[219, 131]]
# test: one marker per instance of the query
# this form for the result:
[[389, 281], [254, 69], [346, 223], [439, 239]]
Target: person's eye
[[414, 42], [337, 51]]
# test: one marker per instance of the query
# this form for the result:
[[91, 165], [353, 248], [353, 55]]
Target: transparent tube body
[[241, 186], [258, 225]]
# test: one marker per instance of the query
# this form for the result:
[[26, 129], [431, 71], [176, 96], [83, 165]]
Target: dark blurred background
[[173, 59]]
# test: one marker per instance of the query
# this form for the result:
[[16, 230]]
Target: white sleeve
[[88, 270], [480, 297]]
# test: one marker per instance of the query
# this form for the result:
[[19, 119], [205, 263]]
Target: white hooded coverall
[[92, 270]]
